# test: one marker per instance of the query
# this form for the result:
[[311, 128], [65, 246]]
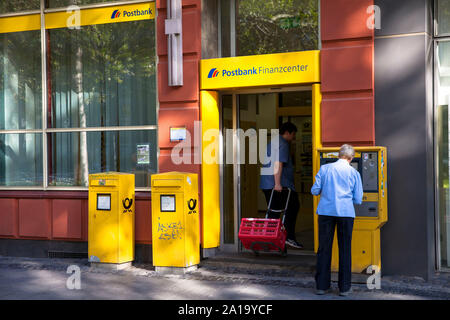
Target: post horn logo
[[213, 73], [115, 14], [192, 203], [127, 203]]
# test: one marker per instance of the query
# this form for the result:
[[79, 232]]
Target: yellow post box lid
[[174, 179], [106, 178]]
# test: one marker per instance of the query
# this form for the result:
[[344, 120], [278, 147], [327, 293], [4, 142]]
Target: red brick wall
[[178, 106], [347, 73]]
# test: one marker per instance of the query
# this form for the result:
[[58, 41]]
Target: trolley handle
[[278, 211]]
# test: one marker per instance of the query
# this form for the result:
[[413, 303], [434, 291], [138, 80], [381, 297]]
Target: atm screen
[[355, 165]]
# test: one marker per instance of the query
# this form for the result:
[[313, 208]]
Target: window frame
[[45, 130]]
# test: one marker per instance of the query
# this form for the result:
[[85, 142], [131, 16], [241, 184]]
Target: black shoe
[[294, 244]]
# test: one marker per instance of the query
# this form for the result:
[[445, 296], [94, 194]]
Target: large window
[[250, 27], [20, 109], [87, 105], [101, 76], [442, 132], [443, 120]]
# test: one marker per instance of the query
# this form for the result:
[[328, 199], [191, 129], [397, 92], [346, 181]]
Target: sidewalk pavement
[[225, 276], [301, 268]]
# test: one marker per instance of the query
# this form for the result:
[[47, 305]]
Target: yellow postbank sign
[[20, 23], [73, 17], [103, 15], [260, 70]]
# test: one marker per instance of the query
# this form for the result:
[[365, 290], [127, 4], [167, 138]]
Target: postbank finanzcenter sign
[[260, 70]]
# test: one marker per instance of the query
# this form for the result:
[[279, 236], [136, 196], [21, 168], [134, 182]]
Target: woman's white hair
[[346, 151]]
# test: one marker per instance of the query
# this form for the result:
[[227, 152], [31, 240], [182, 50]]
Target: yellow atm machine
[[175, 221], [371, 215], [111, 218]]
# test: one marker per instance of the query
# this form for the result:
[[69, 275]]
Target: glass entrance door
[[246, 119]]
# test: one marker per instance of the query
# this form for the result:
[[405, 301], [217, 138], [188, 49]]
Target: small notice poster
[[104, 202], [177, 134], [143, 154], [167, 203]]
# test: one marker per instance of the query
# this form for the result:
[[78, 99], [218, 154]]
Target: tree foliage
[[274, 26], [110, 52], [443, 16], [64, 3], [7, 6]]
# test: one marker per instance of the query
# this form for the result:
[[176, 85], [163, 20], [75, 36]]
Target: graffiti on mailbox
[[170, 231]]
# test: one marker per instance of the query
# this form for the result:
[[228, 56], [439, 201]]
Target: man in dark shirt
[[281, 177]]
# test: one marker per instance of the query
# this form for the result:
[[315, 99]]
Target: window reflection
[[20, 80], [20, 159], [103, 75], [276, 26], [9, 6], [443, 120], [64, 3], [270, 26], [443, 16], [97, 76], [72, 159]]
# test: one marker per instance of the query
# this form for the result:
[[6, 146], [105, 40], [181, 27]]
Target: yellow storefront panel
[[113, 14], [260, 70], [317, 141], [209, 101]]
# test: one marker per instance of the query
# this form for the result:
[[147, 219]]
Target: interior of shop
[[267, 110]]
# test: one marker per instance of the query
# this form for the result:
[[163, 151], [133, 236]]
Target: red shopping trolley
[[268, 235]]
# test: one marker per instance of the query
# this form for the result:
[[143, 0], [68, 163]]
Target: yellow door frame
[[249, 72]]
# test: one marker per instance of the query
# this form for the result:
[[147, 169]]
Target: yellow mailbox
[[111, 217], [371, 215], [175, 220]]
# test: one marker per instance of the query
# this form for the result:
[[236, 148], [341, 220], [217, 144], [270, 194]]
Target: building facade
[[86, 87]]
